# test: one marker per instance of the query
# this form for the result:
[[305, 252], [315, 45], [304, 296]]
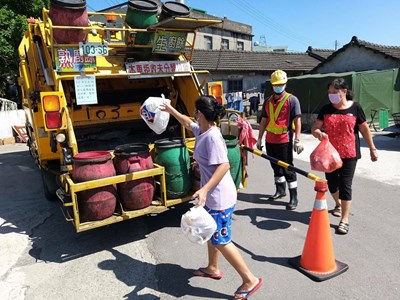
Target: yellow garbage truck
[[83, 87]]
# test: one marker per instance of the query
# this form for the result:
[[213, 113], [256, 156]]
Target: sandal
[[343, 228], [239, 294], [337, 211], [201, 272]]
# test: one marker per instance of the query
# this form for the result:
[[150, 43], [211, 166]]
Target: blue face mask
[[279, 89]]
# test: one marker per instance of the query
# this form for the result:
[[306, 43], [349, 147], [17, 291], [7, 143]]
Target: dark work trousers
[[283, 152], [254, 104]]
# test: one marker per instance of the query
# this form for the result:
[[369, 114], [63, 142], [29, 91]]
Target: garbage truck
[[84, 77]]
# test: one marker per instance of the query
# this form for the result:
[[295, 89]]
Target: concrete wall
[[356, 58], [216, 42], [221, 31], [8, 119]]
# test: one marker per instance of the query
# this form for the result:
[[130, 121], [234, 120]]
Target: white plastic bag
[[150, 112], [198, 225]]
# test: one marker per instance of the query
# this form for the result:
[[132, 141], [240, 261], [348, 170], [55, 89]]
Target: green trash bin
[[173, 155], [234, 158], [383, 118]]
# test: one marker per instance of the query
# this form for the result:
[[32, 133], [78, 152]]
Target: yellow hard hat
[[278, 77]]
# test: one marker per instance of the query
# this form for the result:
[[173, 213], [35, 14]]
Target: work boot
[[280, 191], [293, 199]]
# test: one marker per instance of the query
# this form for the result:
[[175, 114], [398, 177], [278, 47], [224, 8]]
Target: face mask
[[278, 89], [334, 98]]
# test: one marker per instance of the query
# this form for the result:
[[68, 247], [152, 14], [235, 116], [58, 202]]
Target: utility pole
[[263, 40]]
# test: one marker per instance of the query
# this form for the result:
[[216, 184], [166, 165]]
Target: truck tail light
[[53, 120], [51, 103], [52, 111]]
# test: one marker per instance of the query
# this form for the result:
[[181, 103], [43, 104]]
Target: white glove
[[297, 147], [259, 144]]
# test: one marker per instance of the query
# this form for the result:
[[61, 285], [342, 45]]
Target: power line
[[109, 3], [247, 8], [258, 16], [91, 8], [115, 2]]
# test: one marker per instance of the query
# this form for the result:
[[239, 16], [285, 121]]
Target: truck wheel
[[50, 185]]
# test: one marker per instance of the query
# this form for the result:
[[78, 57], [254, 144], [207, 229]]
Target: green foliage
[[12, 27]]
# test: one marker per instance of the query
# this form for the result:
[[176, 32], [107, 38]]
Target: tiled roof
[[228, 60], [391, 51], [320, 54]]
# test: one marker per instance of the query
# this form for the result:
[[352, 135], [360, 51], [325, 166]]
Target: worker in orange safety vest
[[281, 118]]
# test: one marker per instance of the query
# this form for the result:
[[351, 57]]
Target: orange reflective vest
[[273, 115]]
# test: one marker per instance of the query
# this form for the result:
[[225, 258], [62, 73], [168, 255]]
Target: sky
[[298, 24]]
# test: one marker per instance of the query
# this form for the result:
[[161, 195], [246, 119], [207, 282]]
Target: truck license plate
[[93, 49]]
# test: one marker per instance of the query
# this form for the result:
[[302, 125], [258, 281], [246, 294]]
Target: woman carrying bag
[[341, 120], [217, 191]]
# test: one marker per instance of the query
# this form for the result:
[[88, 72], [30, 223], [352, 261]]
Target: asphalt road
[[41, 256]]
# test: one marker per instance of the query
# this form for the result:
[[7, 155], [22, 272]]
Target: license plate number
[[93, 49]]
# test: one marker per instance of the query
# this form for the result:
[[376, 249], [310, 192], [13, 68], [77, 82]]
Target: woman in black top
[[342, 119]]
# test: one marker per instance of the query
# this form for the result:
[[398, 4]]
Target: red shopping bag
[[325, 157]]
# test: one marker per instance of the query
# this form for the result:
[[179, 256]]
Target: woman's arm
[[316, 130], [183, 119], [366, 133], [214, 180]]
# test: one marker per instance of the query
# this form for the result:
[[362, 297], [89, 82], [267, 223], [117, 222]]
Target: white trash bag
[[150, 112], [198, 225]]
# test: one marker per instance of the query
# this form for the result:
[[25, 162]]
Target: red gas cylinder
[[68, 13], [129, 158], [98, 203]]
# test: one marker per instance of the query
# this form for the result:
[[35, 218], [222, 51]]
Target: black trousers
[[283, 152], [253, 105], [342, 179]]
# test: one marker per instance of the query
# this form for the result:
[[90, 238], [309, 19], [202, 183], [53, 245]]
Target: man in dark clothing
[[281, 119], [254, 102]]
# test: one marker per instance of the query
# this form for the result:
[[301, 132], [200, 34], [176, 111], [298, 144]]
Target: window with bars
[[240, 46], [208, 42], [224, 44], [235, 85]]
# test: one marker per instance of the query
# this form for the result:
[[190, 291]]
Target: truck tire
[[50, 184]]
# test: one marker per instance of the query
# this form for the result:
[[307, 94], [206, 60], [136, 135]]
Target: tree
[[13, 25]]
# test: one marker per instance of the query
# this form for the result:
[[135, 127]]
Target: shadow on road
[[280, 261], [25, 210], [126, 269], [64, 244], [274, 216], [386, 142]]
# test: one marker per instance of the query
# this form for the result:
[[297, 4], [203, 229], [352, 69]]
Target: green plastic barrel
[[141, 14], [383, 118], [173, 155], [234, 158]]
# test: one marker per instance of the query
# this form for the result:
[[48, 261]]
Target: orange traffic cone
[[318, 259]]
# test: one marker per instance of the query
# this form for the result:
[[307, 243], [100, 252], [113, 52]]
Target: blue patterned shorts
[[223, 218]]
